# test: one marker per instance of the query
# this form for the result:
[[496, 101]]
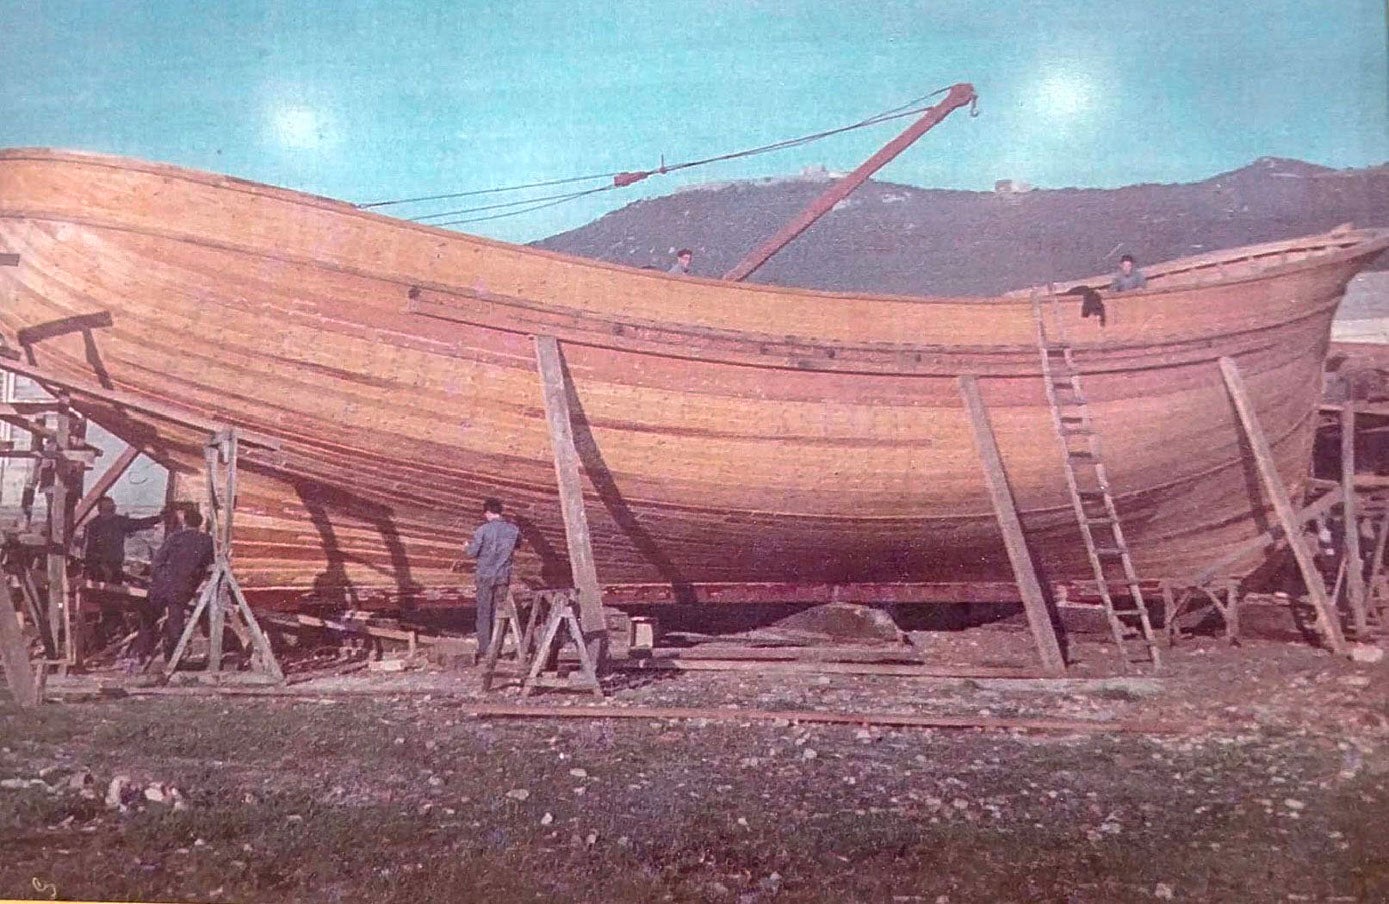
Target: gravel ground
[[1267, 783]]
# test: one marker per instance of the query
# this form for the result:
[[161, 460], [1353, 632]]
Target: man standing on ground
[[104, 556], [492, 545], [178, 568]]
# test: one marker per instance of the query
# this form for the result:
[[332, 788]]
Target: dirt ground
[[1263, 776]]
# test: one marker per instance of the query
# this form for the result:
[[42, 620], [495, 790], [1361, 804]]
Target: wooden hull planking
[[729, 432]]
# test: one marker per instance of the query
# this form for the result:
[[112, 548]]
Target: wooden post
[[1038, 618], [1355, 567], [217, 603], [1278, 494], [1169, 613], [104, 483], [1231, 612], [14, 653], [1377, 557], [559, 417], [59, 608]]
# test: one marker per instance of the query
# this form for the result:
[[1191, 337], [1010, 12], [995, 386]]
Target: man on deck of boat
[[492, 545], [1129, 277], [683, 258]]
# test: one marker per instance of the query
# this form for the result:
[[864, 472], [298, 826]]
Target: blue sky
[[374, 100]]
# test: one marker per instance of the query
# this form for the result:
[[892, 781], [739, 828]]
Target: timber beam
[[1034, 603], [1328, 618], [555, 387], [103, 484]]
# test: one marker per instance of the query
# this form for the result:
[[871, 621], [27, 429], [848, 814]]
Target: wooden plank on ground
[[314, 621], [466, 707], [576, 532], [903, 653], [784, 667], [1278, 494], [1034, 603]]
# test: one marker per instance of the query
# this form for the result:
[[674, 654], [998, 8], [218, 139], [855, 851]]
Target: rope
[[626, 178]]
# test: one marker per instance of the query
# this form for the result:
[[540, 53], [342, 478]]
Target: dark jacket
[[180, 565], [106, 537]]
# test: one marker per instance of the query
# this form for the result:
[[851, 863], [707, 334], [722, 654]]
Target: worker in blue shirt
[[492, 545]]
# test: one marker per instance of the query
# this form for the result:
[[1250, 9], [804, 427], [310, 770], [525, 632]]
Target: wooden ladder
[[1088, 483]]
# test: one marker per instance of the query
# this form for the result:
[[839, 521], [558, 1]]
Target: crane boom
[[959, 96]]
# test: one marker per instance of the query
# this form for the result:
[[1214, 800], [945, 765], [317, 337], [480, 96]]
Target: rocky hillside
[[901, 239]]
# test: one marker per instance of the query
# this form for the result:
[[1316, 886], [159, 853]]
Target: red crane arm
[[959, 96]]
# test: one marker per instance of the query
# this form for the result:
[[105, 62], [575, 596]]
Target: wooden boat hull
[[729, 433]]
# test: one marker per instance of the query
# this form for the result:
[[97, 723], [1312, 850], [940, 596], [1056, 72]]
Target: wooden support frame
[[1034, 603], [221, 595], [1350, 521], [1328, 618], [511, 623], [559, 620], [555, 387]]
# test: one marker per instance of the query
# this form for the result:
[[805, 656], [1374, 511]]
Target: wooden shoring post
[[1282, 505], [1376, 576], [557, 414], [217, 602], [1169, 613], [76, 476], [103, 484], [1350, 521], [1034, 603], [1231, 611], [59, 535], [14, 653]]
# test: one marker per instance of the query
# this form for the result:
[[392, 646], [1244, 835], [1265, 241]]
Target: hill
[[902, 239]]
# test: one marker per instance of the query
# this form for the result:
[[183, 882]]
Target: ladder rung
[[1110, 551], [1076, 431], [1080, 453], [1072, 419], [1056, 348], [1102, 519]]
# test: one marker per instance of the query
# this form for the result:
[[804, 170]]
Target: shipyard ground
[[1270, 785]]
